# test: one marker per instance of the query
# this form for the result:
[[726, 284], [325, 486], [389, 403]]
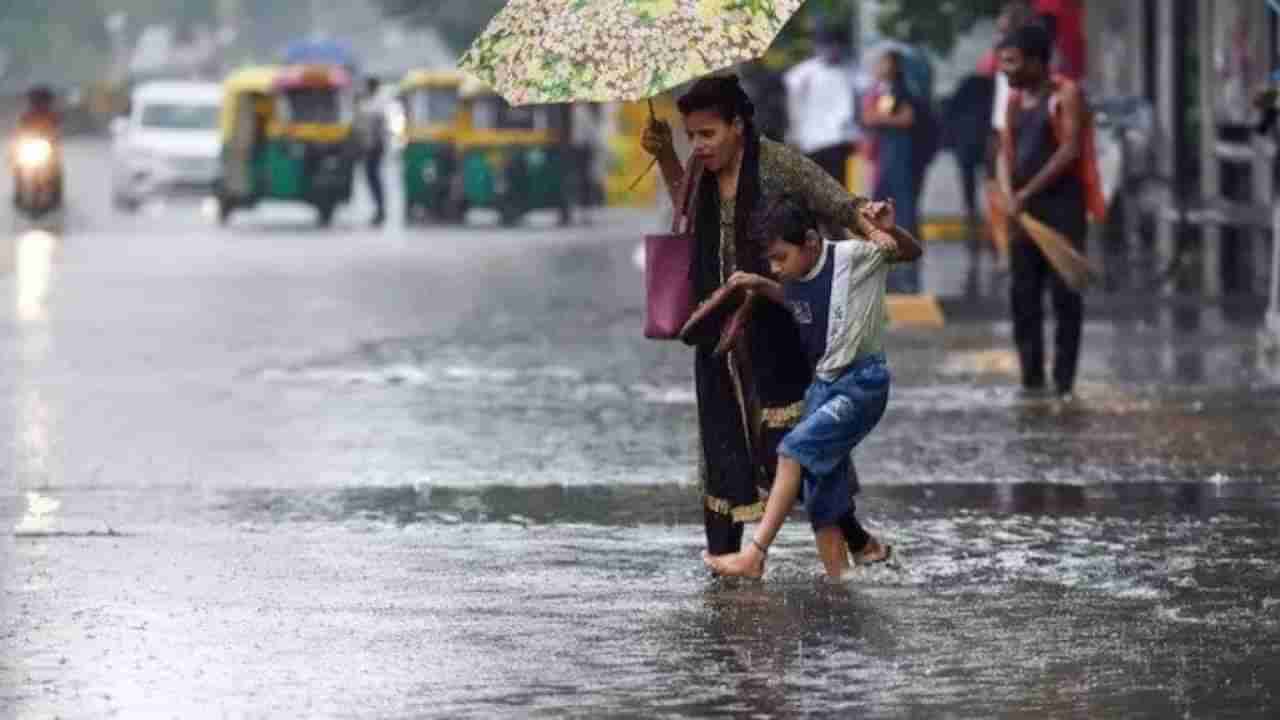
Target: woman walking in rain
[[750, 397], [890, 116]]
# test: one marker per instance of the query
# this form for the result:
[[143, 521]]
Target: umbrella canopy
[[555, 51]]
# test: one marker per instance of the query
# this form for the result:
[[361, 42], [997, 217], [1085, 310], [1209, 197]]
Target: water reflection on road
[[35, 421]]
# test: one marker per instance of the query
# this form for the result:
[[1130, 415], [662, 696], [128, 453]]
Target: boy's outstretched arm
[[905, 247], [885, 232]]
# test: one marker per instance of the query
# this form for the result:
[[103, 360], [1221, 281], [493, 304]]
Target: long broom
[[998, 217], [1073, 267]]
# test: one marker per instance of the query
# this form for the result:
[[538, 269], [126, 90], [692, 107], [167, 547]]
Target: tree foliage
[[935, 24], [458, 22], [51, 41], [66, 41]]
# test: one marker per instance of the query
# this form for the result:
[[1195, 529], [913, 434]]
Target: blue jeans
[[837, 416]]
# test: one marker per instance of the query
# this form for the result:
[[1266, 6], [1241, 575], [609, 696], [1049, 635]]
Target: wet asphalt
[[274, 471]]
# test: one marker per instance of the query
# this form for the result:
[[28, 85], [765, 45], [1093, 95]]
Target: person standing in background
[[373, 146], [890, 113], [1015, 14], [1041, 172], [821, 97]]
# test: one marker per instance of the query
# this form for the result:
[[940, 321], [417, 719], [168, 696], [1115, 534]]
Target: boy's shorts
[[837, 416]]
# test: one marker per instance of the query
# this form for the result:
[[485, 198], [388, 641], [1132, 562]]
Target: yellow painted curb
[[918, 311], [946, 229]]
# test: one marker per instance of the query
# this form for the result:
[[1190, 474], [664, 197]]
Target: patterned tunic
[[765, 387]]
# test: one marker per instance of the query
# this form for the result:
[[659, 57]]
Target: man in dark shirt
[[1039, 174]]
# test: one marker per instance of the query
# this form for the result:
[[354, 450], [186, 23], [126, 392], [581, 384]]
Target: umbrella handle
[[643, 175]]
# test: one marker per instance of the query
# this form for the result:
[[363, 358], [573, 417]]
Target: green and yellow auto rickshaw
[[511, 158], [287, 134], [432, 120]]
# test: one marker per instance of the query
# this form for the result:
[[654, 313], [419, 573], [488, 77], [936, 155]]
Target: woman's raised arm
[[827, 198]]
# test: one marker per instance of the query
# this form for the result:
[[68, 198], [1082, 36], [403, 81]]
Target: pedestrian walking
[[1044, 171], [836, 294], [373, 146], [821, 112], [751, 396]]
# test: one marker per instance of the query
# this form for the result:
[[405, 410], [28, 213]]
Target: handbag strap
[[681, 218]]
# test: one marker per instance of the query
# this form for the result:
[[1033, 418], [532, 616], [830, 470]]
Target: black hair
[[722, 94], [898, 83], [40, 96], [832, 34], [787, 219], [1032, 40]]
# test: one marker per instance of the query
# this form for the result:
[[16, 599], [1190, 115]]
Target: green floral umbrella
[[556, 51]]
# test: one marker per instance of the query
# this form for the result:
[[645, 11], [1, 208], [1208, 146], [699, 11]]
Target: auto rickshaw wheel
[[224, 211], [510, 214], [324, 214]]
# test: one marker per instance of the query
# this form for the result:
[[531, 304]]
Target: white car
[[169, 144]]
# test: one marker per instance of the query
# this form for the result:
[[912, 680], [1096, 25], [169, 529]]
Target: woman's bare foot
[[873, 552], [748, 563]]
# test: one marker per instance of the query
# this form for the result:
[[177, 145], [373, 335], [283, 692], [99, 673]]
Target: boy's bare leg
[[750, 561], [832, 550]]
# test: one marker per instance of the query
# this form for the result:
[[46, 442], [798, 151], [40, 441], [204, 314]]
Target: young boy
[[836, 292]]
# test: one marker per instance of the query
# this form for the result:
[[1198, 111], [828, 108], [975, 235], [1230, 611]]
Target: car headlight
[[34, 152]]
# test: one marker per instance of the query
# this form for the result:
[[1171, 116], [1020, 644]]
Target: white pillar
[[1168, 106], [1264, 158], [855, 28], [1273, 307], [1210, 167]]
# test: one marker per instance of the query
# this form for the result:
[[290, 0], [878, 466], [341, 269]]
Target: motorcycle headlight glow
[[34, 152]]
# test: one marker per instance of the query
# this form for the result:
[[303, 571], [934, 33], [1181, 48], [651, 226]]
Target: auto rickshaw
[[432, 121], [511, 158], [287, 134]]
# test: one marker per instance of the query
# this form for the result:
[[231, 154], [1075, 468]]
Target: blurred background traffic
[[1174, 84]]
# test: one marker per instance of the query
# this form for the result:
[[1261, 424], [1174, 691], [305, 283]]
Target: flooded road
[[273, 471]]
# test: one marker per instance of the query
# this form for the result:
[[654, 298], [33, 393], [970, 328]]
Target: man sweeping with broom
[[1048, 174]]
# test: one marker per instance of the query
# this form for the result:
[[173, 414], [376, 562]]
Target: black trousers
[[1032, 273], [373, 173], [835, 160]]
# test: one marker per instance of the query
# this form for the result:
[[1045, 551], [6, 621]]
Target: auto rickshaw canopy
[[263, 85], [432, 79]]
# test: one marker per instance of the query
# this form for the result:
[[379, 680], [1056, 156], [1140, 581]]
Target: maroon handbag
[[668, 264]]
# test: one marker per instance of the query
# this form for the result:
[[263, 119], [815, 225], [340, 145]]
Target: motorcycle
[[37, 169]]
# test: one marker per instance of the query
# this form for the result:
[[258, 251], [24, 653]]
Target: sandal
[[886, 559]]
